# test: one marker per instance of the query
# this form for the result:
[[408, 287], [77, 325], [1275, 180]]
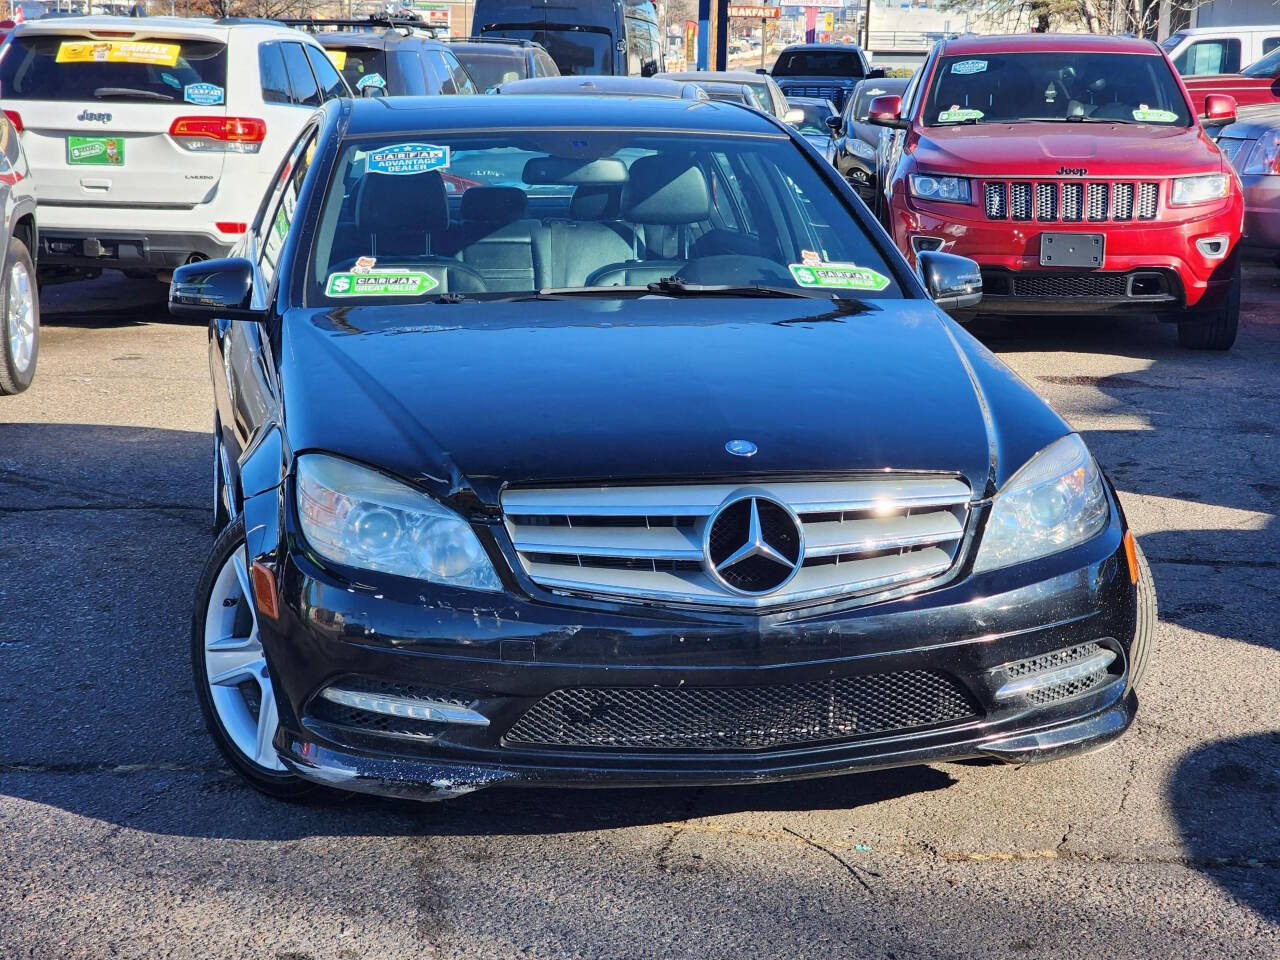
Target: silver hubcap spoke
[[239, 684], [21, 316]]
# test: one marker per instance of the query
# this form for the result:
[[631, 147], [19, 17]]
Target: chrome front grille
[[1070, 201], [656, 543]]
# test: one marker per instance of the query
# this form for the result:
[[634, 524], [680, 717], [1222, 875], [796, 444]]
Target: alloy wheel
[[21, 314]]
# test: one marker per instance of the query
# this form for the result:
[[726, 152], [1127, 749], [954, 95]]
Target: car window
[[360, 66], [273, 228], [544, 66], [301, 80], [1051, 86], [457, 73], [815, 118], [75, 67], [1266, 68], [491, 69], [706, 208], [818, 63], [1220, 55], [443, 74], [331, 84], [575, 52], [413, 82], [275, 81], [1269, 44]]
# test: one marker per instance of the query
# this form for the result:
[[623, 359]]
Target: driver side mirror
[[213, 290], [1219, 110], [875, 73], [884, 113], [372, 91], [835, 125], [955, 283], [793, 117]]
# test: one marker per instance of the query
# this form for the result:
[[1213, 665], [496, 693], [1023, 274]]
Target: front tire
[[1215, 329], [230, 671], [20, 324]]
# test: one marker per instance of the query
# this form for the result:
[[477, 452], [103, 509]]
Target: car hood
[[1044, 149], [465, 398]]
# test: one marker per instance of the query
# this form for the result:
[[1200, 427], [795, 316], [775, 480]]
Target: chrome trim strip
[[1051, 678], [407, 707]]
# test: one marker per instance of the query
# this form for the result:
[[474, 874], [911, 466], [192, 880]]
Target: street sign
[[754, 12]]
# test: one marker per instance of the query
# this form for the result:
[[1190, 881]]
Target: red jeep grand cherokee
[[1074, 170]]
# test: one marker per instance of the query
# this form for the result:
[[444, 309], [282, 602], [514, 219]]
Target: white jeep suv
[[152, 141]]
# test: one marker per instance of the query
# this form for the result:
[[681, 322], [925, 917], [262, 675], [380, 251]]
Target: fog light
[[1039, 680], [410, 708], [1213, 248], [920, 243]]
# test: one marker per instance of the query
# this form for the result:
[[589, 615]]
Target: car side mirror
[[875, 73], [214, 289], [372, 91], [762, 70], [793, 117], [884, 113], [1219, 110], [955, 283], [834, 124]]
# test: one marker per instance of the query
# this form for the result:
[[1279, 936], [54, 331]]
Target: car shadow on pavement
[[111, 300], [1227, 806]]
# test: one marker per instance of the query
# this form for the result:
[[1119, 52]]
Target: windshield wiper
[[1084, 119], [107, 93], [672, 286]]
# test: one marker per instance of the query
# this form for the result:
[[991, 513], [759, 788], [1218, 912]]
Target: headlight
[[950, 189], [361, 518], [1264, 157], [1054, 502], [1200, 189], [860, 148]]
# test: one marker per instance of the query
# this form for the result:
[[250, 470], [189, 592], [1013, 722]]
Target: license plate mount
[[1072, 249], [95, 151]]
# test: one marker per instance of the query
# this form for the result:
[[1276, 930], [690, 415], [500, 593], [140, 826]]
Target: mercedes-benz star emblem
[[754, 545], [741, 448]]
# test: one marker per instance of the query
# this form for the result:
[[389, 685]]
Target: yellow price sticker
[[118, 51], [339, 58]]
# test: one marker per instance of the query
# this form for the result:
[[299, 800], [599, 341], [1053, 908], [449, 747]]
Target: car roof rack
[[509, 41], [313, 24]]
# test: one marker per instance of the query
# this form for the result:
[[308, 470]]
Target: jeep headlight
[[361, 518], [947, 189], [1199, 189], [1054, 502]]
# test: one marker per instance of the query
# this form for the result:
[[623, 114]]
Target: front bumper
[[503, 653], [1161, 256]]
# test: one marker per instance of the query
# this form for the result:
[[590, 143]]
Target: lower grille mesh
[[742, 718], [1069, 286]]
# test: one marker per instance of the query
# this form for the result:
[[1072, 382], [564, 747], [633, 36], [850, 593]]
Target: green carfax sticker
[[95, 151], [958, 114], [383, 283], [838, 276], [1145, 114]]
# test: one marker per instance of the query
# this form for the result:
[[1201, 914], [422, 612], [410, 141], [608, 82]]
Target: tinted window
[[1269, 44], [818, 63], [156, 70], [1209, 56], [544, 66], [443, 75], [1265, 68], [1051, 86], [458, 73], [868, 91], [331, 84], [815, 117], [492, 68], [643, 47], [575, 52], [413, 82], [275, 82], [301, 80], [281, 202], [360, 66]]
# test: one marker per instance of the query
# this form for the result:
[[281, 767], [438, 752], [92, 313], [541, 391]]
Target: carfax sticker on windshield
[[1145, 114], [380, 283], [407, 158], [371, 80], [364, 265], [203, 94], [966, 67], [958, 114], [118, 51], [838, 276]]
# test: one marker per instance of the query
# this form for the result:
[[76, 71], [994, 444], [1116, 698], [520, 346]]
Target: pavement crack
[[852, 870], [1128, 785]]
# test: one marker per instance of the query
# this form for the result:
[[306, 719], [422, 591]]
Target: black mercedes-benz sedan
[[570, 441]]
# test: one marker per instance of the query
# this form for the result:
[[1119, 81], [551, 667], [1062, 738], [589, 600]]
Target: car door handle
[[95, 185]]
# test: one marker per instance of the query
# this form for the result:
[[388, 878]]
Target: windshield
[[507, 213], [868, 91], [576, 52], [1266, 68], [818, 63], [158, 69], [1052, 86], [361, 66], [1171, 42], [815, 117], [491, 69]]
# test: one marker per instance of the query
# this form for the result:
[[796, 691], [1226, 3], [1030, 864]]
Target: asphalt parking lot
[[121, 833]]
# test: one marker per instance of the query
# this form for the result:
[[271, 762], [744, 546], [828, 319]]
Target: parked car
[[19, 294], [1076, 172], [827, 70], [492, 61], [586, 37], [152, 140], [765, 93], [815, 124], [455, 555], [1258, 83], [1197, 51], [1252, 144], [857, 142], [604, 86], [390, 57]]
